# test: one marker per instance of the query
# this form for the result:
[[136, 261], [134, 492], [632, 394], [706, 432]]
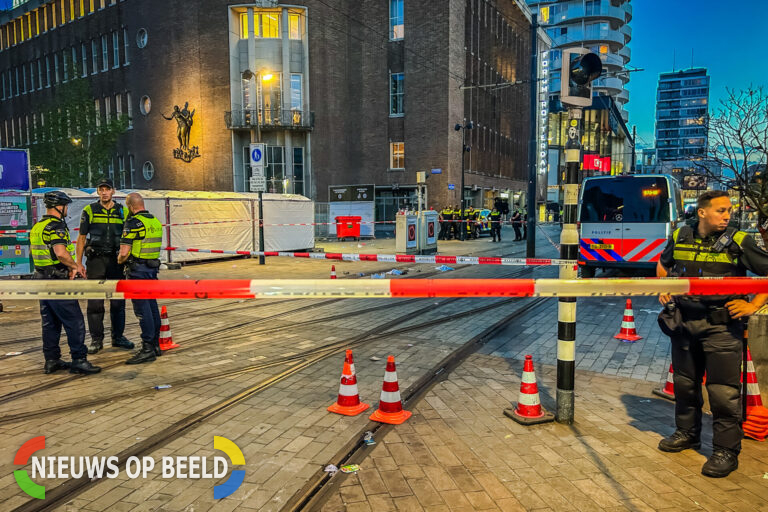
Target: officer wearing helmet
[[53, 257]]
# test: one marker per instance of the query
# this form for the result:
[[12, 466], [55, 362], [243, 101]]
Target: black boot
[[720, 463], [122, 342], [53, 365], [83, 366], [145, 355], [679, 441], [95, 346]]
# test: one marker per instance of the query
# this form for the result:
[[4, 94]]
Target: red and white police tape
[[386, 258], [376, 288]]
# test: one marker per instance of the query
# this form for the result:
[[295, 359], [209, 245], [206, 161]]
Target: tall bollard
[[569, 248]]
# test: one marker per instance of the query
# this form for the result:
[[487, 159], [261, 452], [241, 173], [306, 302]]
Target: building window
[[130, 110], [121, 170], [298, 171], [145, 105], [94, 56], [142, 38], [74, 62], [56, 67], [397, 155], [127, 59], [131, 169], [97, 111], [296, 92], [396, 25], [148, 170], [115, 50], [270, 25], [84, 52], [275, 169], [396, 94], [244, 25], [65, 65], [31, 76], [107, 109], [104, 53], [47, 71], [119, 105], [294, 26]]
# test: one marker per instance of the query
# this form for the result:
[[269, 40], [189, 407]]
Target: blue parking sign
[[451, 186], [14, 170]]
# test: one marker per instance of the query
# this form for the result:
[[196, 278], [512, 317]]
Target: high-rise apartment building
[[602, 26], [682, 104]]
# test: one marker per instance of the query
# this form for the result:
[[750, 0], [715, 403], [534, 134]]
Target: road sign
[[451, 186], [437, 171], [257, 158], [258, 184], [14, 170]]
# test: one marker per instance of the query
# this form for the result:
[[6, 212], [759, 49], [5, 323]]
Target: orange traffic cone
[[166, 338], [348, 402], [753, 391], [529, 410], [333, 271], [628, 332], [668, 390], [390, 406]]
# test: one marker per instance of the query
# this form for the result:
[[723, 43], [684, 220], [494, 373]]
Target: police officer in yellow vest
[[52, 253], [707, 331], [446, 216], [101, 226], [140, 251]]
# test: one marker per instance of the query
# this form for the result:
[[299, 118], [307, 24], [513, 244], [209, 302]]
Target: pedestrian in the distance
[[707, 332], [140, 252]]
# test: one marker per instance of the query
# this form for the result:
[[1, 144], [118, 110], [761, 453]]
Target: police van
[[625, 221]]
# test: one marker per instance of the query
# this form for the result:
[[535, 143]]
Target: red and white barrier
[[376, 288], [387, 258]]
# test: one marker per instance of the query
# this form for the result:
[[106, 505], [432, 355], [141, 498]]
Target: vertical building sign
[[543, 114]]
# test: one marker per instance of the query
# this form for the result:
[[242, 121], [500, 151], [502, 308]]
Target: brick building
[[341, 92]]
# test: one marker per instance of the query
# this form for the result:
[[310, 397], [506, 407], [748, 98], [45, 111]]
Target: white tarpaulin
[[364, 209]]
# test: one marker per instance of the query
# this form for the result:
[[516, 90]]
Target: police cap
[[105, 182]]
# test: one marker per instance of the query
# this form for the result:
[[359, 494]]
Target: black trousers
[[443, 230], [146, 310], [105, 267], [518, 233], [496, 231], [57, 314], [717, 350]]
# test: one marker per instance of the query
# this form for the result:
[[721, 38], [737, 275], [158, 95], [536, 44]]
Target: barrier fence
[[384, 288], [387, 258]]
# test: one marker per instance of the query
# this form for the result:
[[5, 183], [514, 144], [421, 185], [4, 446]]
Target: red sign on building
[[597, 163]]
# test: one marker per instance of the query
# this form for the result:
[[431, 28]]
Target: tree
[[72, 139], [738, 148]]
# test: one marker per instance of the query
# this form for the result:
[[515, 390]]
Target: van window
[[627, 199]]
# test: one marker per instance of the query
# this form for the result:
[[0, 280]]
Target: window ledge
[[397, 115], [399, 169]]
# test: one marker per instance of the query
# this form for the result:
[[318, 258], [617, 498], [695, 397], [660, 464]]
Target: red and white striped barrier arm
[[387, 258], [376, 288]]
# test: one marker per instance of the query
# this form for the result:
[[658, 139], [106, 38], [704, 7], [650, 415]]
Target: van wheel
[[588, 272]]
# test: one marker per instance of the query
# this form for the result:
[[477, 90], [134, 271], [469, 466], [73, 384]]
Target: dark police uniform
[[707, 339], [144, 233], [47, 233], [495, 218], [445, 224], [104, 227]]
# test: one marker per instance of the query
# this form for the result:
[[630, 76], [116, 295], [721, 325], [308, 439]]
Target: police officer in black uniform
[[707, 332], [52, 254], [446, 215], [101, 226], [495, 218], [140, 250]]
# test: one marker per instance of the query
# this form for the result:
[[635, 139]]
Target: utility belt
[[132, 263], [715, 313], [50, 272], [100, 252]]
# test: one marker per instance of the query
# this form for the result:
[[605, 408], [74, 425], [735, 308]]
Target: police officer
[[495, 218], [517, 222], [456, 224], [707, 331], [52, 253], [140, 251], [446, 215], [101, 225]]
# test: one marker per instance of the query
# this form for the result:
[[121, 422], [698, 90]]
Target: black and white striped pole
[[579, 69]]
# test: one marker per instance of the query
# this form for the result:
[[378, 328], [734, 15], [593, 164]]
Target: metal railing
[[270, 118]]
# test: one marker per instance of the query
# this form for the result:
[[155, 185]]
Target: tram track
[[64, 492]]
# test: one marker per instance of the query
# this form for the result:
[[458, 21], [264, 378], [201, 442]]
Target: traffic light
[[580, 68]]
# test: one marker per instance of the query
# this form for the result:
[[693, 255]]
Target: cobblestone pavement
[[459, 452]]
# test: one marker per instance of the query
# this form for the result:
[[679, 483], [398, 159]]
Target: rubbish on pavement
[[395, 272], [378, 276], [93, 411], [330, 468], [350, 468], [443, 268], [645, 401], [368, 438], [374, 358], [163, 386], [13, 354]]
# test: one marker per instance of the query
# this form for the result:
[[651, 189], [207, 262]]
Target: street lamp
[[468, 125], [264, 76]]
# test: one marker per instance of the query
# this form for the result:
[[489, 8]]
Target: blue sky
[[730, 39]]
